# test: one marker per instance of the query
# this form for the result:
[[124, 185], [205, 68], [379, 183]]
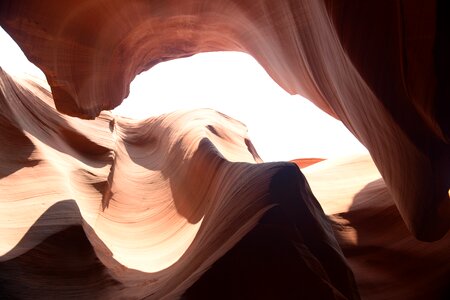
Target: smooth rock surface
[[379, 66], [93, 205], [122, 209]]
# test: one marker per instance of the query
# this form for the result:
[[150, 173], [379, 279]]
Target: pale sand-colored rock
[[387, 261], [133, 186], [148, 196], [122, 209], [386, 80]]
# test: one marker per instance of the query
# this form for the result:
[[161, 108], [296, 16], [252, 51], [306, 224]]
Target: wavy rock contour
[[118, 208], [115, 208], [380, 67], [388, 262]]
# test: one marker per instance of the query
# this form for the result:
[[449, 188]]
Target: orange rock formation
[[163, 201], [306, 162]]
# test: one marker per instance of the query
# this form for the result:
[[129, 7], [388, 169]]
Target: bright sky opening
[[281, 126]]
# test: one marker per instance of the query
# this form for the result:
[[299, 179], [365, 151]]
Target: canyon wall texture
[[122, 209], [172, 205], [387, 261], [379, 66]]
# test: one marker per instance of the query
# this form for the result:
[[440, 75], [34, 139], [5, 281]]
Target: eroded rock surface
[[118, 208], [387, 261], [380, 67], [174, 202]]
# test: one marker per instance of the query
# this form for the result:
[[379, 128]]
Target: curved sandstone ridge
[[128, 209], [181, 205], [379, 66], [388, 263]]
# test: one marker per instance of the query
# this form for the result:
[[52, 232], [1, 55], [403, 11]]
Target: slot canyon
[[94, 205]]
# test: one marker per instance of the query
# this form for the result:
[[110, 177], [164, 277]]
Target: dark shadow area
[[140, 142], [288, 255], [47, 125], [56, 218], [82, 144], [442, 66], [189, 179], [388, 262], [63, 266], [15, 149], [190, 192]]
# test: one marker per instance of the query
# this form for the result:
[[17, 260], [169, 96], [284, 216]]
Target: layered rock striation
[[380, 67], [117, 208], [94, 205]]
